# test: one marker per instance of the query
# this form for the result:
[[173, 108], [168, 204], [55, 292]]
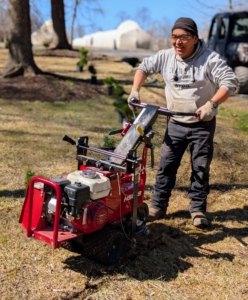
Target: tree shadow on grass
[[166, 252], [218, 187], [20, 193]]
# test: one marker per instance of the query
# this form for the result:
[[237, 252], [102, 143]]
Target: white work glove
[[134, 95], [207, 112]]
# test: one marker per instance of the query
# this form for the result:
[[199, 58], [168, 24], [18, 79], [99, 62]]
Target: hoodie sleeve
[[152, 64], [221, 74]]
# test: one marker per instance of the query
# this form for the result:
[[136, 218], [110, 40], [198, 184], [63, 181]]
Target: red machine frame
[[121, 207]]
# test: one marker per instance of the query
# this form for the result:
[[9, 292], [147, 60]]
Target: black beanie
[[186, 24]]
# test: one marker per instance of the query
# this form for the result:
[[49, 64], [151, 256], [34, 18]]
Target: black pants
[[199, 137]]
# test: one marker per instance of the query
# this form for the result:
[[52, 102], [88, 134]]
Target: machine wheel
[[242, 74], [143, 212], [74, 245], [104, 245]]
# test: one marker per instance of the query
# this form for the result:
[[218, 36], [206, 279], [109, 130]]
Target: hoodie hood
[[200, 48]]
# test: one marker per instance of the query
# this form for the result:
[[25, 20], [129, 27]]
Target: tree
[[123, 16], [58, 17], [85, 10], [3, 20], [20, 60], [143, 18], [160, 32], [74, 18], [231, 5]]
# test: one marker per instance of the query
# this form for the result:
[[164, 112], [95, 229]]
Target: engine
[[82, 207]]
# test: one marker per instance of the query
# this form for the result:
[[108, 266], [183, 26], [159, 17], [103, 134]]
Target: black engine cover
[[78, 194]]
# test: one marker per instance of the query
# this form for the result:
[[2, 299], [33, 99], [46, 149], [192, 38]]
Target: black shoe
[[199, 219], [155, 214]]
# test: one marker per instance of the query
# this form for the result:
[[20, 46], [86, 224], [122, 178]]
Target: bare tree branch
[[123, 16], [206, 5], [74, 15], [143, 18], [35, 16], [83, 13]]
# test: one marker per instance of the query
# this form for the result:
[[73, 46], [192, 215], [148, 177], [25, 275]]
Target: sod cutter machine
[[101, 203]]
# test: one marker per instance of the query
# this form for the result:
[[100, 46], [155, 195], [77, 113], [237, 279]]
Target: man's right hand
[[134, 94]]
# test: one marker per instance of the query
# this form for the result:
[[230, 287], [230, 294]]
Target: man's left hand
[[207, 112]]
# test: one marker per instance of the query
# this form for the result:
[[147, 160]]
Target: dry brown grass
[[176, 261]]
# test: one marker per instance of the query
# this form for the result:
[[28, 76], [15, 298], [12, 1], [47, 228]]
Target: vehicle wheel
[[74, 245], [242, 74], [104, 246]]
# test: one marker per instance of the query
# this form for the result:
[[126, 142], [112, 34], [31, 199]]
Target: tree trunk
[[58, 17], [73, 18], [21, 61]]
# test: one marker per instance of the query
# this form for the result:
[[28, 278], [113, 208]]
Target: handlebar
[[162, 110]]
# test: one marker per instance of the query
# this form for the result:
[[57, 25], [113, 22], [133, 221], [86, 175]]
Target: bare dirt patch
[[48, 88]]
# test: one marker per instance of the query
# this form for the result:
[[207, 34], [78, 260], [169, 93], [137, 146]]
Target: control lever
[[66, 138]]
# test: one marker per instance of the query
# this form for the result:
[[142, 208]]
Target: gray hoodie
[[190, 82]]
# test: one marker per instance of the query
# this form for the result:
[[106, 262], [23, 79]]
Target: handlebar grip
[[66, 138], [115, 131], [133, 100]]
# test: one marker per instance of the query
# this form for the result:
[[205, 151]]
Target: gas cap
[[89, 174]]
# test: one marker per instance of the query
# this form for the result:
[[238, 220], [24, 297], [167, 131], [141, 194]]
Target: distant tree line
[[16, 30], [21, 60], [18, 16]]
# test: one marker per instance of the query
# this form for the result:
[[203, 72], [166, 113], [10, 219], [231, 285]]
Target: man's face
[[183, 42]]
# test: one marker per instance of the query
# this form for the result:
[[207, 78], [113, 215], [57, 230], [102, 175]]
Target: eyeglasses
[[182, 38]]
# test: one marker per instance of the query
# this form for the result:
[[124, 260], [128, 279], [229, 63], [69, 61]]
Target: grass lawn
[[182, 262]]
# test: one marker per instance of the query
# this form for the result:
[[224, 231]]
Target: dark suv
[[228, 36]]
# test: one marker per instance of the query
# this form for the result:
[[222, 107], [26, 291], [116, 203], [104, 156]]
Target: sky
[[116, 11]]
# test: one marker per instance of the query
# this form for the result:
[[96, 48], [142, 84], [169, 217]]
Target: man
[[196, 80]]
